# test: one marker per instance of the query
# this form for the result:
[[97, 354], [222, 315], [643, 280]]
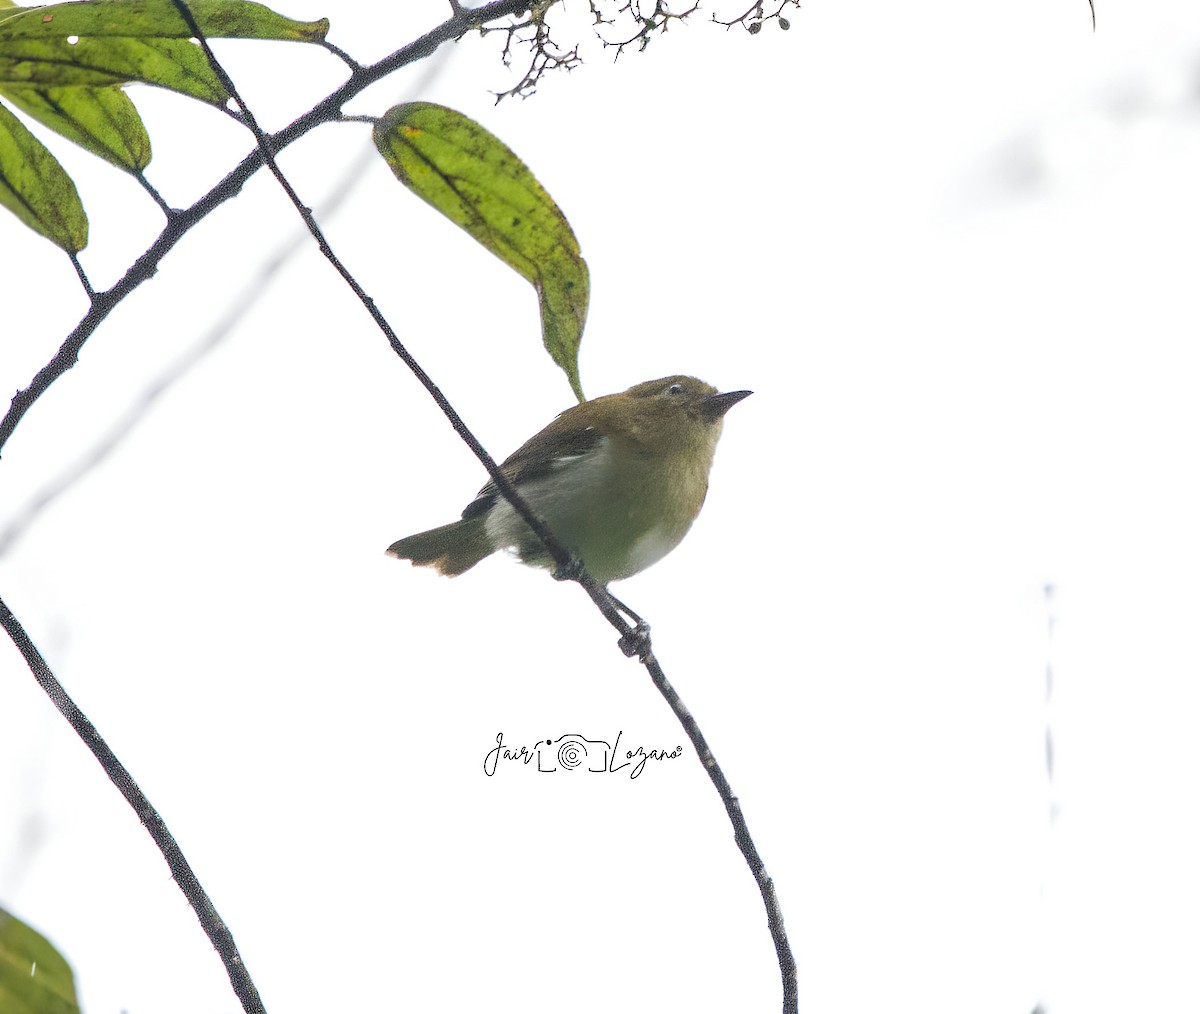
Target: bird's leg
[[636, 642]]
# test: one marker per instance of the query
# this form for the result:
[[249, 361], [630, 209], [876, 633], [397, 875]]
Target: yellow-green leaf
[[176, 64], [477, 182], [106, 42], [34, 977], [102, 120], [37, 189], [157, 19]]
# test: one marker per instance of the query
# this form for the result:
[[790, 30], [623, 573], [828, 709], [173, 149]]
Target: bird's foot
[[637, 641]]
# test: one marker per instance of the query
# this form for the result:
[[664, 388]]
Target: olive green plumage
[[618, 479]]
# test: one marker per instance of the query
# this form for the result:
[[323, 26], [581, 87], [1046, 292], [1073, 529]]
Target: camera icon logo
[[570, 752]]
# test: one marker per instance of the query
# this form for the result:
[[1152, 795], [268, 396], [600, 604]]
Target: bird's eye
[[675, 389]]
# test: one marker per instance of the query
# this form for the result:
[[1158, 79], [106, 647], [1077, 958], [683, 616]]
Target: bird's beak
[[716, 405]]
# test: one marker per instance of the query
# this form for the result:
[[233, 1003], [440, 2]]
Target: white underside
[[579, 483]]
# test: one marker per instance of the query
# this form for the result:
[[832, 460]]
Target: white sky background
[[951, 248]]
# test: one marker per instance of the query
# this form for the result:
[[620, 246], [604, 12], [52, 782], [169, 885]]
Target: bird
[[618, 480]]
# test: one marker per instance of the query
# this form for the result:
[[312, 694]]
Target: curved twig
[[181, 871], [634, 639]]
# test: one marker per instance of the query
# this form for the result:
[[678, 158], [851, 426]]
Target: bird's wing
[[560, 442]]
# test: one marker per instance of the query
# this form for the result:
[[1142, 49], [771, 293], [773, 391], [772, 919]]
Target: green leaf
[[34, 977], [477, 182], [176, 64], [107, 42], [102, 120], [37, 189], [157, 19]]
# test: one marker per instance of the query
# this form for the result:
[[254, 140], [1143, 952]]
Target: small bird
[[618, 480]]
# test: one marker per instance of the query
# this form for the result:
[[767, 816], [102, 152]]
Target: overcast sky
[[951, 247]]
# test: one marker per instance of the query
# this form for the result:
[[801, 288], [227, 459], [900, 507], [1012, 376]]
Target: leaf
[[34, 977], [102, 120], [476, 181], [158, 19], [62, 65], [108, 42], [176, 64], [37, 189]]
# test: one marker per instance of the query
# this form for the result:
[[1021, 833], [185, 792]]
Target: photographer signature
[[571, 752]]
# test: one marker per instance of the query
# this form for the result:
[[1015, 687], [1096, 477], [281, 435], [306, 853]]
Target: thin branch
[[741, 833], [752, 20], [633, 639], [658, 20], [181, 871], [109, 441], [545, 54]]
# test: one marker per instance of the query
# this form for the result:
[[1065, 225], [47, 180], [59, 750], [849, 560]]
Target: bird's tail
[[452, 549]]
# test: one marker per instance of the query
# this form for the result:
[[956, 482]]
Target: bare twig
[[741, 834], [754, 18], [634, 639], [545, 55], [658, 20], [181, 871]]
